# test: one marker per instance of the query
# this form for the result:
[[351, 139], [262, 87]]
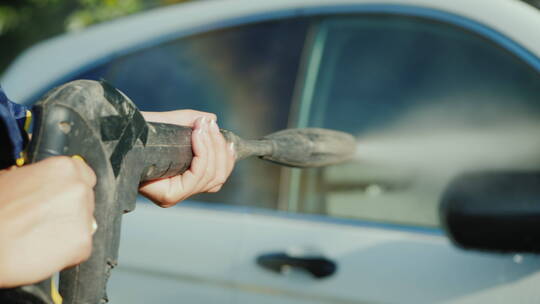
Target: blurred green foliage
[[26, 22], [93, 11]]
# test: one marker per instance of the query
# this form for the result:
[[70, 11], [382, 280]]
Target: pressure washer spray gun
[[99, 123]]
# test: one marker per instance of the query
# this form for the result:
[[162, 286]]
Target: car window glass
[[416, 77], [245, 75]]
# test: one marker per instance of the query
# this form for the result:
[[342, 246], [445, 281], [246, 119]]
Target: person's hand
[[46, 219], [212, 163]]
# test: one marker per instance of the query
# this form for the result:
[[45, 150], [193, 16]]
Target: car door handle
[[318, 266]]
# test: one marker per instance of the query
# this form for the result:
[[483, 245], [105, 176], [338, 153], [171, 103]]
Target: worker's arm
[[46, 208], [212, 163], [46, 219]]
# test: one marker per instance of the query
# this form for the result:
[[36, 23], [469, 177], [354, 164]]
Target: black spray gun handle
[[97, 122]]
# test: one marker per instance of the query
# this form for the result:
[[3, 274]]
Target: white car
[[355, 233]]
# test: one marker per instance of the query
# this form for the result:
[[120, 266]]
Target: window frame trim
[[299, 118], [301, 109]]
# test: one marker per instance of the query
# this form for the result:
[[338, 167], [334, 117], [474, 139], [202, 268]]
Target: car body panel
[[381, 265], [170, 255], [376, 264]]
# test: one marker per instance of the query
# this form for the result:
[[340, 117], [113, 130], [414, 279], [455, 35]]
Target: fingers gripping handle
[[97, 122], [61, 131], [102, 125], [84, 118], [168, 150]]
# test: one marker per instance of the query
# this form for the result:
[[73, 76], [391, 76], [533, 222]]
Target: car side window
[[246, 75], [375, 72]]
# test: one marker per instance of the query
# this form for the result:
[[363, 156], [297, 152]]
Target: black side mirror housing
[[493, 211]]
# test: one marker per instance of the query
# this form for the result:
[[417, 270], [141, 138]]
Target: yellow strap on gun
[[55, 295]]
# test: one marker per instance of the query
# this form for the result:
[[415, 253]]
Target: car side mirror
[[495, 211]]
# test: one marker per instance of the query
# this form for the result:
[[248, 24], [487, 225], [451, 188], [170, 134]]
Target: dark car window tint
[[245, 75], [376, 72]]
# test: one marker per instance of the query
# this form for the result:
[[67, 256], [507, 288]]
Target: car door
[[397, 82], [246, 75]]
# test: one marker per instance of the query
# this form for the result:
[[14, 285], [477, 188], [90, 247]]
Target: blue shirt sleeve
[[13, 138]]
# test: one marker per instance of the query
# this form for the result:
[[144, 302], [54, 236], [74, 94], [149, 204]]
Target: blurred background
[[26, 22], [430, 89]]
